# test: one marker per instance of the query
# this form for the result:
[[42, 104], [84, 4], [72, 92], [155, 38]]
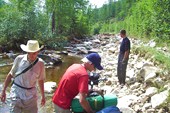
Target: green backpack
[[96, 102]]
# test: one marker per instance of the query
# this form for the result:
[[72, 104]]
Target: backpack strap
[[29, 67], [25, 70], [22, 86]]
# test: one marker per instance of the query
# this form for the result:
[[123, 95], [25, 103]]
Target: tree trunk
[[53, 22]]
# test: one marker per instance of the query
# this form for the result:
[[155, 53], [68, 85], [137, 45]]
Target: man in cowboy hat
[[74, 82], [23, 90]]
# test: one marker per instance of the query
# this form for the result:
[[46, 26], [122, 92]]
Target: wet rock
[[94, 50], [51, 59]]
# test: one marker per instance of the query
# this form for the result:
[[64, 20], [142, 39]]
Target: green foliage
[[69, 17], [141, 18], [1, 3], [10, 26], [162, 27], [96, 29], [55, 42], [22, 20]]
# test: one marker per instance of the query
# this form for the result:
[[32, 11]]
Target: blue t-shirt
[[125, 45]]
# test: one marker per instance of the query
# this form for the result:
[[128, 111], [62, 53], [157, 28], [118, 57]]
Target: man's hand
[[84, 103], [41, 86], [6, 83], [43, 101], [124, 61], [3, 96]]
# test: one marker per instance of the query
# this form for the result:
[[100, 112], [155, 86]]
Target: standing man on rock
[[123, 58], [26, 71]]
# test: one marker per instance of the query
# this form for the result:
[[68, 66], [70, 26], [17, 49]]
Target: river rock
[[51, 59], [49, 87], [151, 91], [158, 99], [126, 110]]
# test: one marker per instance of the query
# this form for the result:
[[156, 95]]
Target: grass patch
[[156, 56]]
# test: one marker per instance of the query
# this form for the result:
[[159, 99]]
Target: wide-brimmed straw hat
[[95, 59], [32, 46]]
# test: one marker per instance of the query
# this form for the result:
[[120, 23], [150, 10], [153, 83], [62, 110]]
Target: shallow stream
[[52, 74]]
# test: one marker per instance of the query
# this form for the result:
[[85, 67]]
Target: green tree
[[162, 14], [66, 16]]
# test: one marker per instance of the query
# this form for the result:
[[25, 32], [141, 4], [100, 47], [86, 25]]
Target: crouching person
[[75, 82]]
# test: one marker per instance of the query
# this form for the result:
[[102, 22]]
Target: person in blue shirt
[[123, 58]]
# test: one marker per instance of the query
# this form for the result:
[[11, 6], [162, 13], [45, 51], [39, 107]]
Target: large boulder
[[158, 99], [49, 87]]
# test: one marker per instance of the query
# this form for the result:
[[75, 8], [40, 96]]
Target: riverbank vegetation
[[54, 22], [51, 19]]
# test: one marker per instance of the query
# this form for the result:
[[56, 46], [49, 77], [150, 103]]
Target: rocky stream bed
[[139, 95]]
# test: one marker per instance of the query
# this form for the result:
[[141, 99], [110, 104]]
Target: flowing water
[[53, 74]]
